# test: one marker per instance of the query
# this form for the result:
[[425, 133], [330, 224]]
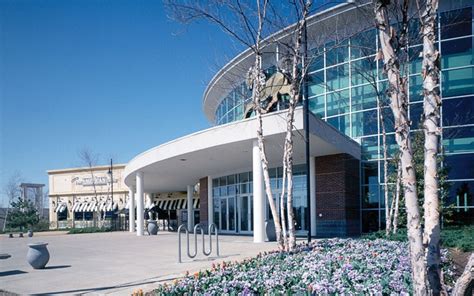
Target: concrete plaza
[[115, 263]]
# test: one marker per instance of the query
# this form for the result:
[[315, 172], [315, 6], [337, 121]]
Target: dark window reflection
[[462, 166], [458, 111], [456, 23], [370, 221]]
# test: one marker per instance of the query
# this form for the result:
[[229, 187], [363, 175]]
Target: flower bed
[[332, 266]]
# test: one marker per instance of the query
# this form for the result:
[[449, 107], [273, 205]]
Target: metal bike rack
[[212, 227]]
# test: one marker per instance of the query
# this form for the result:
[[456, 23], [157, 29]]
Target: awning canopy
[[61, 207], [94, 206], [176, 204]]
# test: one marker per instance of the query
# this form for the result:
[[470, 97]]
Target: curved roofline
[[277, 35]]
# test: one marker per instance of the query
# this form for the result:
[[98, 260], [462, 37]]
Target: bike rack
[[197, 228]]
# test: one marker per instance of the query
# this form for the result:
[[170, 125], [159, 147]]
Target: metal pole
[[111, 181], [306, 127]]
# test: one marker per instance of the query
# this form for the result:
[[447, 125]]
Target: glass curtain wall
[[344, 81], [233, 200]]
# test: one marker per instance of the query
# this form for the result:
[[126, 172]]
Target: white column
[[312, 186], [210, 202], [190, 190], [131, 209], [258, 196], [140, 207]]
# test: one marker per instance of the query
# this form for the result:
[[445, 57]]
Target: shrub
[[89, 230]]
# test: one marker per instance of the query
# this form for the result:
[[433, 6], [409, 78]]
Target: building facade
[[346, 163], [84, 197]]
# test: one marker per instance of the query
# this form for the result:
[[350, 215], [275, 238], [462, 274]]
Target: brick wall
[[337, 195]]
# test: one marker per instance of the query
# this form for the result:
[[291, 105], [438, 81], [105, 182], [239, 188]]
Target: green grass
[[459, 237], [89, 230]]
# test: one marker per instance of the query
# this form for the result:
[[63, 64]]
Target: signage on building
[[89, 181]]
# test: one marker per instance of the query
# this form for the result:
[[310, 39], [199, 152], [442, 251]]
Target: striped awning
[[61, 207], [94, 206], [176, 204]]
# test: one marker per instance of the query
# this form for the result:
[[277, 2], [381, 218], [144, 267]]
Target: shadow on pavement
[[12, 272], [57, 266], [89, 290]]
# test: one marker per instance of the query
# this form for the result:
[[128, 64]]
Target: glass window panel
[[370, 148], [458, 139], [316, 84], [370, 173], [391, 145], [460, 166], [337, 77], [457, 53], [222, 181], [370, 196], [451, 111], [364, 71], [316, 105], [243, 177], [392, 167], [370, 221], [458, 82], [387, 120], [231, 203], [337, 103], [415, 88], [337, 52], [416, 110], [364, 123], [456, 23], [364, 97], [363, 44], [317, 59], [223, 214], [414, 27], [461, 194], [341, 123], [415, 59]]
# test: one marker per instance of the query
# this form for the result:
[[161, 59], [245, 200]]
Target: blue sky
[[116, 76]]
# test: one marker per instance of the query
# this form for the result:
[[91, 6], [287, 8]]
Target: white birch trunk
[[466, 280], [388, 209], [282, 205], [399, 105], [295, 81], [431, 115], [257, 84], [397, 198]]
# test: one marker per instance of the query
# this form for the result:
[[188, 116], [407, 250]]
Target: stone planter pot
[[30, 233], [38, 255], [152, 227], [270, 230]]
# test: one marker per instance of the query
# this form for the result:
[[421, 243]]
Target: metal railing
[[212, 227]]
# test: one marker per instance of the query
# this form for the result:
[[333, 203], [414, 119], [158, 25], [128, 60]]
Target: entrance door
[[245, 214], [228, 214]]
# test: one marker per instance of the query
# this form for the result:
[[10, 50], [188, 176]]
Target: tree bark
[[465, 283], [397, 92], [397, 197], [388, 209], [431, 115]]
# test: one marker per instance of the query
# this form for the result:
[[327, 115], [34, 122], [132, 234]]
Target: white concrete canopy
[[228, 148]]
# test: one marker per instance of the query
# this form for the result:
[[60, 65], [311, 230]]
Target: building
[[346, 161], [84, 197]]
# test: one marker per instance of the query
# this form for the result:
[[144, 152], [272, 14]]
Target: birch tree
[[431, 125], [246, 24], [91, 159], [397, 92]]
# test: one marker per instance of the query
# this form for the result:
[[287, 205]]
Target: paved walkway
[[115, 263]]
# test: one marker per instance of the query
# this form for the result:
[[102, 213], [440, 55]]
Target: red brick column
[[203, 202], [337, 195]]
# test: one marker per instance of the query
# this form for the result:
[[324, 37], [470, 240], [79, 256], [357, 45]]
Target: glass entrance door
[[245, 205], [228, 214]]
